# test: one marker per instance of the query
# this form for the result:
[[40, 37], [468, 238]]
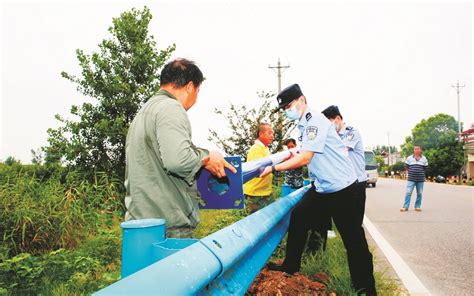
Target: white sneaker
[[331, 234]]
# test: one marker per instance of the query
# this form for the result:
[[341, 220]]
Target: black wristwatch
[[273, 169]]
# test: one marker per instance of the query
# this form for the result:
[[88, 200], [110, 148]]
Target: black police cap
[[289, 94], [331, 111]]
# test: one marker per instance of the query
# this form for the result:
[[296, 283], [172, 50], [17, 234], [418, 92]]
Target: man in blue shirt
[[332, 193], [353, 141], [416, 165]]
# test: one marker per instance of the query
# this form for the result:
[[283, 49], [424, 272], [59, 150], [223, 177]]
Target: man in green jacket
[[161, 160]]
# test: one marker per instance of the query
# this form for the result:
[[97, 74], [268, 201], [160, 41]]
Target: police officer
[[161, 159], [353, 141], [332, 192]]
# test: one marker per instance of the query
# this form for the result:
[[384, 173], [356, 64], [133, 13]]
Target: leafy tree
[[398, 166], [244, 122], [120, 79], [10, 161], [380, 161], [437, 137]]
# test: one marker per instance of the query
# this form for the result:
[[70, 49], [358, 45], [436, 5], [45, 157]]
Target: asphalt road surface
[[437, 243]]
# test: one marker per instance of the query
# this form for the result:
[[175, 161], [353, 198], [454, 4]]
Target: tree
[[380, 161], [244, 122], [10, 161], [120, 79], [437, 137], [398, 166]]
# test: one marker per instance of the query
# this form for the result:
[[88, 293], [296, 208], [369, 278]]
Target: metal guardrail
[[223, 263]]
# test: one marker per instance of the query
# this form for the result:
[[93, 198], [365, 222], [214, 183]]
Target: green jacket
[[161, 164]]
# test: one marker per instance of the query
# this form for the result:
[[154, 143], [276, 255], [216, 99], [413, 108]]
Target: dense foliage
[[58, 230], [119, 80]]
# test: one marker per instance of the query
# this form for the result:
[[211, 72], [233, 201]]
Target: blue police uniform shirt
[[353, 141], [330, 168]]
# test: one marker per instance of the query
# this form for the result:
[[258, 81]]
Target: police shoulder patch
[[350, 136], [311, 132], [308, 116]]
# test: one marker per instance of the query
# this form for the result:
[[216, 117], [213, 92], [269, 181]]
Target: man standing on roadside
[[416, 165]]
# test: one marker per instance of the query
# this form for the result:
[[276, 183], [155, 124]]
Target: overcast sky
[[387, 66]]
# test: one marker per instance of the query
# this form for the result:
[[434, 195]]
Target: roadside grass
[[333, 262], [214, 220]]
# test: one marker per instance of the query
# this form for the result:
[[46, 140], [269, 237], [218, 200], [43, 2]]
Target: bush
[[84, 270]]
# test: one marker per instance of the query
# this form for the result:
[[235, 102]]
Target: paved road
[[437, 243]]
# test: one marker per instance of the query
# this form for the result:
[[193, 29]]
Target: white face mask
[[293, 113]]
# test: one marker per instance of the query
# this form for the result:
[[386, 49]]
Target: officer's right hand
[[215, 164]]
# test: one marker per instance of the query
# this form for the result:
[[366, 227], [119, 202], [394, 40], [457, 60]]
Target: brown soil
[[269, 282]]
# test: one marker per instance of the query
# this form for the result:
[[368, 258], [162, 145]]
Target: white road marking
[[408, 277]]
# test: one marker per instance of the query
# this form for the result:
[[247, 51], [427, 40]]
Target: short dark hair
[[180, 72], [290, 140]]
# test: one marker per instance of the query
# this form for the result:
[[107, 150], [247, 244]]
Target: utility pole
[[458, 90], [389, 149], [279, 68]]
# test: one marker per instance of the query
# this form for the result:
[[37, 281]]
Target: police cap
[[289, 94], [331, 112]]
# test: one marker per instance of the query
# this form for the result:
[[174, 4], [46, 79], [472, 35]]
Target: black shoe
[[282, 268]]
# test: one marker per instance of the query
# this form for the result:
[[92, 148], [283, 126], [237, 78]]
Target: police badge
[[350, 136], [311, 132]]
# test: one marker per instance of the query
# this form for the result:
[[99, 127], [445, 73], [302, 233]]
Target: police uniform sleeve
[[351, 139], [314, 135], [178, 154]]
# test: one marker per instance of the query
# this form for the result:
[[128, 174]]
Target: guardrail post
[[138, 237]]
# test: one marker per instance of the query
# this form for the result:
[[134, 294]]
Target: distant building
[[392, 158], [467, 137]]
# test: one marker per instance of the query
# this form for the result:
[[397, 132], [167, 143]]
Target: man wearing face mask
[[332, 193], [161, 160], [353, 141]]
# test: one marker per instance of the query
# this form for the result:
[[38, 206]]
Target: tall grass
[[58, 231], [40, 214]]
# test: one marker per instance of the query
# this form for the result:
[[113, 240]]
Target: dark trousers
[[318, 235], [343, 209]]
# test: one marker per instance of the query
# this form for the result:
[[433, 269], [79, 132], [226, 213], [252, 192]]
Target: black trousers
[[318, 234], [344, 209]]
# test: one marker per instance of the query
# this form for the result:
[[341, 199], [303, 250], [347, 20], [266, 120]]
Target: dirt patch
[[269, 282]]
